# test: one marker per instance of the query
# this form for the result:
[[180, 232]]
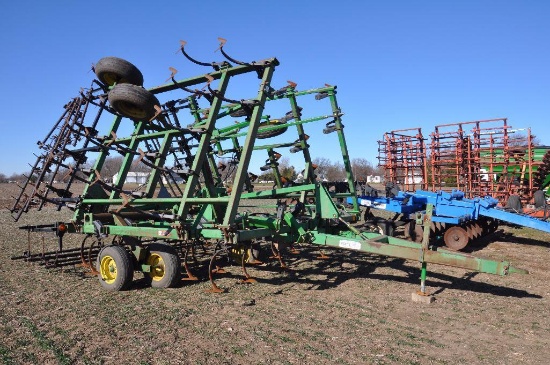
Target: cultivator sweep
[[187, 134]]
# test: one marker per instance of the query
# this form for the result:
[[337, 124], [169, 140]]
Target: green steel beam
[[343, 147], [232, 71], [242, 169], [441, 257], [204, 145]]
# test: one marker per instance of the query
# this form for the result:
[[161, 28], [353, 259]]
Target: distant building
[[374, 179], [133, 178], [175, 179], [414, 180]]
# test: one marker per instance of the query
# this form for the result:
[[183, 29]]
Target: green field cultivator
[[187, 134]]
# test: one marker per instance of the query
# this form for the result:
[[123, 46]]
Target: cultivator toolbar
[[187, 134]]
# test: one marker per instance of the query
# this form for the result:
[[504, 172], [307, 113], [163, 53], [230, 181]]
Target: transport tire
[[539, 198], [165, 266], [386, 228], [111, 70], [514, 203], [133, 101], [115, 268]]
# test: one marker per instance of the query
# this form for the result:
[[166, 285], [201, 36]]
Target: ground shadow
[[322, 274], [306, 268]]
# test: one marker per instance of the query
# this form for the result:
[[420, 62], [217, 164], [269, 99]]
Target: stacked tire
[[127, 96]]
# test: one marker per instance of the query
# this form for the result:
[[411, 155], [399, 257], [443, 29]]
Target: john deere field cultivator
[[187, 133]]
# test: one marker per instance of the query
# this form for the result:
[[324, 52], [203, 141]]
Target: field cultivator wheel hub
[[157, 267], [107, 269], [115, 268]]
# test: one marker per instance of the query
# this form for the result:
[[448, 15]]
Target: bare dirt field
[[349, 309]]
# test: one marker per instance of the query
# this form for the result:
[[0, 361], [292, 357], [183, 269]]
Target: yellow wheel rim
[[131, 110], [111, 78], [238, 252], [108, 269], [157, 266]]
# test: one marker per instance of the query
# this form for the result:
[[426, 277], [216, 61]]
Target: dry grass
[[350, 309]]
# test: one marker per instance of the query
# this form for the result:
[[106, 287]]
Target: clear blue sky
[[397, 64]]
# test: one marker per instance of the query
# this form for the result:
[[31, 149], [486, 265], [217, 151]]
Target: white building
[[133, 178], [414, 180], [374, 179], [175, 178]]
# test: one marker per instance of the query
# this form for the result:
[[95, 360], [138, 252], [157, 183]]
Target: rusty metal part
[[456, 238], [277, 255], [212, 269], [247, 278], [402, 154], [188, 248], [418, 233], [88, 255]]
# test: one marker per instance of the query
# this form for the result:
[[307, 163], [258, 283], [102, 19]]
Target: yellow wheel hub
[[132, 110], [107, 269], [157, 266], [238, 252], [112, 78]]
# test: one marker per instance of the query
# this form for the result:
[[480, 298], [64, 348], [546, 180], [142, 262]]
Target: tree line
[[325, 169]]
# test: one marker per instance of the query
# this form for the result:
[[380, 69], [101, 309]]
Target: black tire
[[240, 113], [386, 227], [407, 230], [514, 203], [539, 198], [272, 133], [133, 101], [115, 268], [111, 70], [165, 266]]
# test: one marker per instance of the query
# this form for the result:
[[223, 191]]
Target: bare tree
[[111, 166], [323, 164], [286, 169], [361, 169], [336, 172]]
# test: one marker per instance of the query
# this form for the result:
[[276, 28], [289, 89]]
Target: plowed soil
[[348, 309]]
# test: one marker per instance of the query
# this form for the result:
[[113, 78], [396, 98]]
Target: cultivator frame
[[473, 153], [402, 154], [152, 228], [480, 158]]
